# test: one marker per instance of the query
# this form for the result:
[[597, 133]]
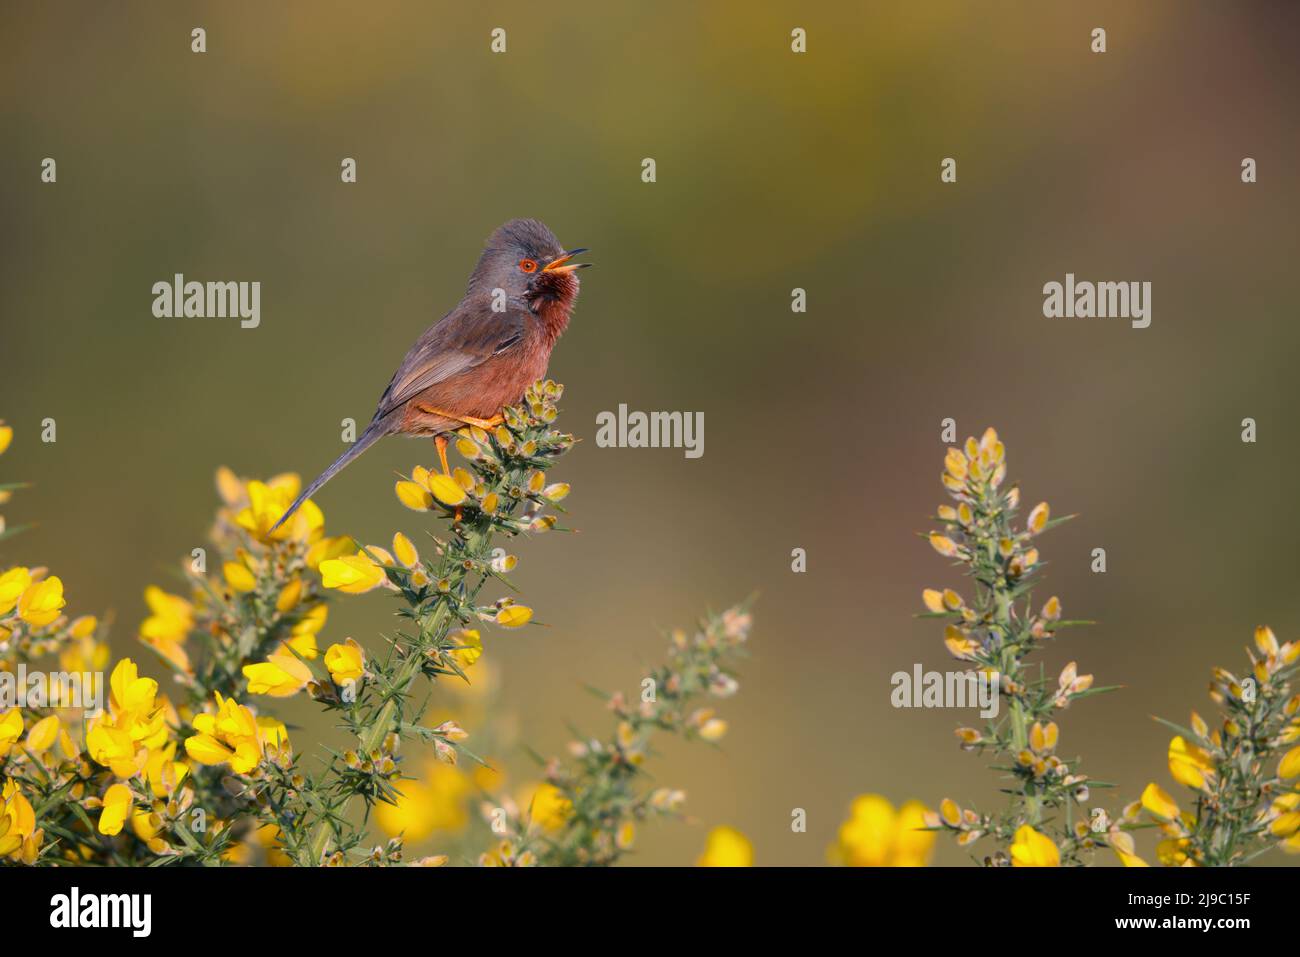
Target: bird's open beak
[[558, 263]]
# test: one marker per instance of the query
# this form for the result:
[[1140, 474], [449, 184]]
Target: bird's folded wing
[[462, 340]]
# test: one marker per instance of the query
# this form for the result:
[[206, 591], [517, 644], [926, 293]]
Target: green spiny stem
[[388, 716]]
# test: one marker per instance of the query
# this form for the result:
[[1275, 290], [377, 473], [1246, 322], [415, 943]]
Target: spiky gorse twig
[[1242, 774], [502, 493], [996, 632], [588, 810]]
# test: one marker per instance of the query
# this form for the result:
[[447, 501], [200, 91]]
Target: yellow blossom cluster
[[233, 735], [1243, 802], [878, 835], [266, 585], [725, 846]]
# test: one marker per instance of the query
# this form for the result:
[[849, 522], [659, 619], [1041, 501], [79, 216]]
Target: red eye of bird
[[528, 265]]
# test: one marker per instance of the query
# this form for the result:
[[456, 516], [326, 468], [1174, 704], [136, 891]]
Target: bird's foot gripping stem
[[491, 423]]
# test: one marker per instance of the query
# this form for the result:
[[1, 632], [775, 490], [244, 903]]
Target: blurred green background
[[775, 170]]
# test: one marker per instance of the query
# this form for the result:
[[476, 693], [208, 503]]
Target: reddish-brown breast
[[484, 390]]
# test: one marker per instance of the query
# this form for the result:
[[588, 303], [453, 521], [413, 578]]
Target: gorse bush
[[118, 773], [1241, 773], [598, 797], [997, 630], [209, 775]]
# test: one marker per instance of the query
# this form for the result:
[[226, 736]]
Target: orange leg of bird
[[441, 442], [491, 423]]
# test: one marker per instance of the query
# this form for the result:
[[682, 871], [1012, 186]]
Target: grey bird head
[[524, 259]]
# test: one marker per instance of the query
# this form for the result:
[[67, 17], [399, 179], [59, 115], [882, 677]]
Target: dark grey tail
[[374, 432]]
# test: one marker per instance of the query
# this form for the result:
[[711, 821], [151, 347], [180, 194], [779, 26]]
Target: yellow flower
[[280, 676], [229, 487], [1038, 518], [713, 729], [1158, 802], [726, 847], [147, 826], [471, 646], [1285, 814], [346, 662], [239, 577], [128, 692], [944, 545], [164, 772], [514, 616], [1189, 764], [232, 735], [950, 812], [446, 489], [351, 574], [19, 838], [272, 731], [875, 835], [1173, 852], [43, 735], [413, 496], [1032, 849], [327, 548], [1043, 738], [1121, 842], [438, 802], [309, 625], [549, 808], [117, 805], [268, 501], [264, 843], [1266, 641], [114, 748], [169, 624], [959, 644], [955, 462], [626, 835], [122, 737], [11, 729], [404, 550], [83, 653], [1290, 764], [12, 584], [289, 596], [41, 603], [6, 436]]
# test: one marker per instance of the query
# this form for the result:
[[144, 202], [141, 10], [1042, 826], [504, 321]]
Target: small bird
[[485, 353]]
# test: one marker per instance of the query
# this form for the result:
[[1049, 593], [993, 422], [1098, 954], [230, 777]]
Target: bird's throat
[[554, 312]]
